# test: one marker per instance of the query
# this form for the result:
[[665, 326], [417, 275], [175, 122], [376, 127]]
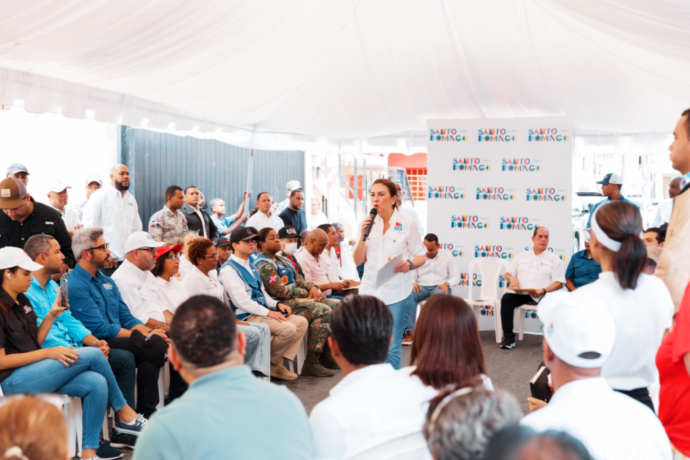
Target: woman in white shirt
[[392, 234], [640, 304], [171, 292], [202, 279], [447, 350], [262, 216]]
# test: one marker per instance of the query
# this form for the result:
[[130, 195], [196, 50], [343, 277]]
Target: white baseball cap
[[611, 178], [578, 328], [93, 178], [293, 185], [15, 257], [58, 186], [139, 240]]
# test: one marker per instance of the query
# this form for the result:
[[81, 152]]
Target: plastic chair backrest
[[409, 447], [489, 270]]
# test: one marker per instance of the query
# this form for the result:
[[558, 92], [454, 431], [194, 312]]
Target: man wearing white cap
[[18, 171], [579, 334], [282, 206], [57, 198], [93, 182], [138, 286], [611, 186]]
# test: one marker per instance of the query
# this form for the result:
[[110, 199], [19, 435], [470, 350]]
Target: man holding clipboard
[[531, 275]]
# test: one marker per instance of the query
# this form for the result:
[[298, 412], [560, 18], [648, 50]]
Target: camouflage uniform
[[167, 227], [284, 283]]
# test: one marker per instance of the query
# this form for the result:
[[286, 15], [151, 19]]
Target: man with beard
[[115, 210]]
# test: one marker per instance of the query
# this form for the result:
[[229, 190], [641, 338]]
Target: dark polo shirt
[[18, 329]]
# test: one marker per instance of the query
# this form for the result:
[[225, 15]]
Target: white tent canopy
[[347, 75]]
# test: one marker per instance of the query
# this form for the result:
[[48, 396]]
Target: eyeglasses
[[101, 247], [173, 256], [152, 250], [214, 256]]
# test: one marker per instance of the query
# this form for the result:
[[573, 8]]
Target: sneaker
[[507, 346], [106, 452], [122, 440], [134, 429], [408, 338], [280, 372]]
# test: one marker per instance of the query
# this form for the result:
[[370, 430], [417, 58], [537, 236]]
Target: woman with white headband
[[640, 304]]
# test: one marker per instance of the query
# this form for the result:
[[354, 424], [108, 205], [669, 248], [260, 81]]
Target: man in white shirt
[[137, 285], [348, 269], [437, 276], [93, 182], [115, 210], [57, 199], [373, 404], [537, 269], [665, 208], [579, 334], [248, 297], [333, 260]]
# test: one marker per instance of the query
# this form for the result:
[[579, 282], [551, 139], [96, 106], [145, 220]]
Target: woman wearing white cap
[[640, 304], [27, 368]]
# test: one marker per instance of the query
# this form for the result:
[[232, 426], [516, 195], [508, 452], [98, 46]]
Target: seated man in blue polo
[[611, 186], [95, 301], [582, 269]]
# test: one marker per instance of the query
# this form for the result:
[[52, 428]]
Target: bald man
[[314, 264], [115, 210], [663, 211]]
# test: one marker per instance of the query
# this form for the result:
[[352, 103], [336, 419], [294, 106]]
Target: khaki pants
[[286, 336]]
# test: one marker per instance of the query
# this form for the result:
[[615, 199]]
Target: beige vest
[[674, 263]]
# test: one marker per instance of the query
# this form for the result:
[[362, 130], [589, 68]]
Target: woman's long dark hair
[[6, 308], [256, 209], [622, 222], [446, 348]]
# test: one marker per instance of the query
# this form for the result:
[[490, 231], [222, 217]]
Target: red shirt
[[674, 396]]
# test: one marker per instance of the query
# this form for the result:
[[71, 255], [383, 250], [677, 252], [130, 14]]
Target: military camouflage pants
[[318, 314]]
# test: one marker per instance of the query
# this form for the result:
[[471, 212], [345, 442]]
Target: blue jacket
[[96, 302], [582, 270]]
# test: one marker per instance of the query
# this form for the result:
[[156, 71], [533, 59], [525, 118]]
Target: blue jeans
[[421, 296], [401, 311], [258, 352], [90, 378]]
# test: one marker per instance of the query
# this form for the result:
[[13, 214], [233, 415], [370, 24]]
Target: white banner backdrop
[[490, 183]]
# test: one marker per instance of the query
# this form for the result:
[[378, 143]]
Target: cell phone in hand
[[64, 290]]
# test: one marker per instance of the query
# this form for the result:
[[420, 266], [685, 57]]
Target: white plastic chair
[[489, 269], [409, 447], [297, 364], [522, 311]]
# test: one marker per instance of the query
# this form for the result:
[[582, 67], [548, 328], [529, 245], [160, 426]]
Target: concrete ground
[[510, 370]]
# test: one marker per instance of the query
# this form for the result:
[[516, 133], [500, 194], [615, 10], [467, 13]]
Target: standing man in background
[[228, 224], [282, 206], [663, 211], [197, 218], [115, 210], [294, 216], [169, 225], [18, 171], [611, 186], [93, 183], [57, 199]]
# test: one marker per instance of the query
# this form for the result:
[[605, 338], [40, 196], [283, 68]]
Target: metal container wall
[[158, 160]]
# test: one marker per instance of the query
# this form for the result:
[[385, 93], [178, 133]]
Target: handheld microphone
[[373, 213]]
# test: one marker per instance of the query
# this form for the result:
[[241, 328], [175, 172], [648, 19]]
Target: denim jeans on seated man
[[258, 353], [420, 296]]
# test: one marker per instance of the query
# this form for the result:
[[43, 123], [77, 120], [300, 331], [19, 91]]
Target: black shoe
[[121, 440], [106, 452], [507, 345]]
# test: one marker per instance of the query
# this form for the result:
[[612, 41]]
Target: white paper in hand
[[386, 273]]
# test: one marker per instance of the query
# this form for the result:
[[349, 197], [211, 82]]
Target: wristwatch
[[411, 265]]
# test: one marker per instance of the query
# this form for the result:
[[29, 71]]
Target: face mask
[[290, 248]]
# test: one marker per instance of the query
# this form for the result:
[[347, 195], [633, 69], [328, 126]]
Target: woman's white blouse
[[172, 293], [402, 237]]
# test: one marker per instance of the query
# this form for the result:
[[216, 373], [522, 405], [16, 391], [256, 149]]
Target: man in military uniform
[[284, 283], [169, 225]]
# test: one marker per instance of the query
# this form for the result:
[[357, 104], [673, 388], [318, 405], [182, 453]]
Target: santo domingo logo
[[494, 194], [445, 192], [465, 279], [470, 164], [496, 135], [544, 194], [492, 251], [517, 223], [546, 135], [469, 222], [455, 250], [519, 165], [446, 135]]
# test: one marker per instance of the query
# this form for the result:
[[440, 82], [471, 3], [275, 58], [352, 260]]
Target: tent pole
[[249, 181]]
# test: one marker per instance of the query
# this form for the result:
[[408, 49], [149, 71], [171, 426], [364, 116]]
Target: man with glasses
[[95, 300], [138, 287], [22, 217], [251, 303]]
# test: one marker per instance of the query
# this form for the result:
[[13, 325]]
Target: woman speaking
[[392, 233]]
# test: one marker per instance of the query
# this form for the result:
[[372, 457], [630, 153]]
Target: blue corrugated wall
[[219, 170]]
